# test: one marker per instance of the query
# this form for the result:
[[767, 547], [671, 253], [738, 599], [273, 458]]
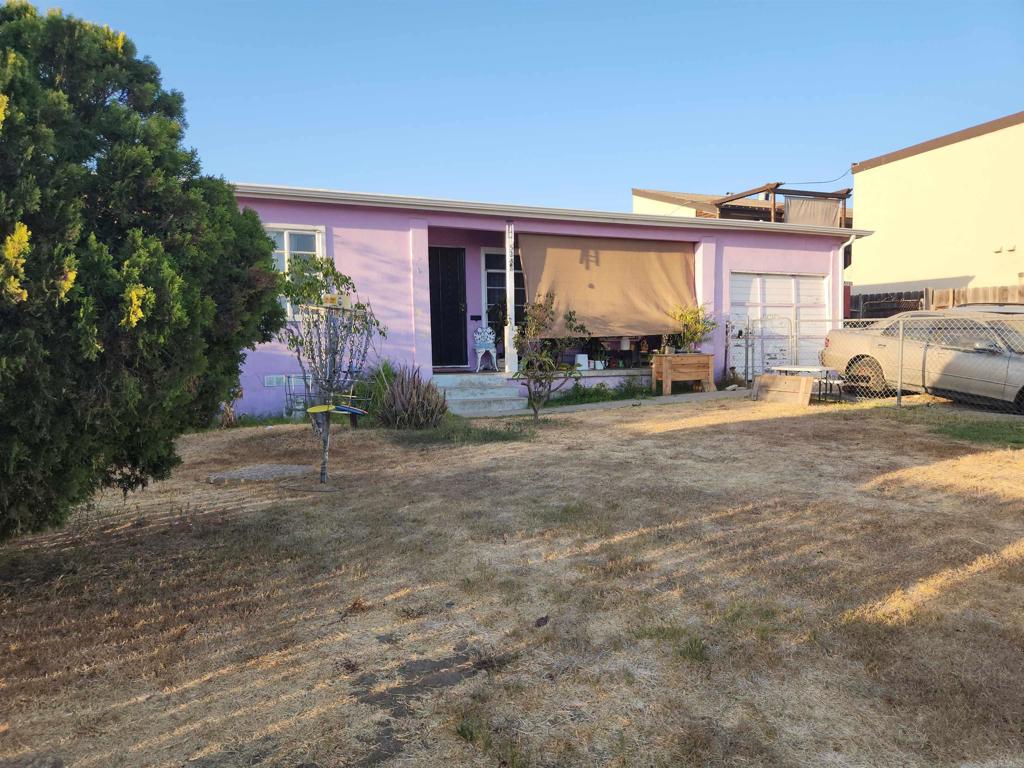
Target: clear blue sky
[[569, 104]]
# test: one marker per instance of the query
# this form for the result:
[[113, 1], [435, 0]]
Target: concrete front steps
[[480, 394]]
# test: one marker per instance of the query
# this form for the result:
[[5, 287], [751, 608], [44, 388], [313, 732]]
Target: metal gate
[[759, 344]]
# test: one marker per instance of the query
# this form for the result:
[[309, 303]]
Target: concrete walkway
[[690, 397]]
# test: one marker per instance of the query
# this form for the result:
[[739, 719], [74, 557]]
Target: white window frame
[[484, 252], [319, 231]]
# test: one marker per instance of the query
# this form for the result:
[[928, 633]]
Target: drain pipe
[[842, 255]]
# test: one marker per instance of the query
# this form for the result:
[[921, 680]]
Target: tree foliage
[[696, 325], [130, 284], [541, 368]]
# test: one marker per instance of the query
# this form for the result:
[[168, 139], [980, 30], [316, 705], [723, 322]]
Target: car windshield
[[1011, 332]]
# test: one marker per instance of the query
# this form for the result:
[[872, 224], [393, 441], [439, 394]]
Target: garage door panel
[[739, 315], [791, 320], [811, 322], [778, 289], [744, 289], [810, 290]]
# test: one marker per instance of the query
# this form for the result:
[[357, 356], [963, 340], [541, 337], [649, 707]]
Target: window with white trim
[[494, 290], [289, 243]]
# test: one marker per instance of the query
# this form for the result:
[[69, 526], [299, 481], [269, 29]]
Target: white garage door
[[775, 320]]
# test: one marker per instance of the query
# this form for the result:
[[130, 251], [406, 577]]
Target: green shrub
[[371, 389], [130, 284], [409, 402]]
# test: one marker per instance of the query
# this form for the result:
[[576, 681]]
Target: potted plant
[[595, 352], [695, 327]]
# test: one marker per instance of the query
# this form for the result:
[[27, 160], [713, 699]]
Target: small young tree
[[540, 357], [331, 342], [695, 327]]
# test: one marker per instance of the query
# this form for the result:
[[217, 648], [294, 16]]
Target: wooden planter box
[[685, 366]]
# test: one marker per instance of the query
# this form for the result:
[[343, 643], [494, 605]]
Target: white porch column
[[511, 356], [419, 296]]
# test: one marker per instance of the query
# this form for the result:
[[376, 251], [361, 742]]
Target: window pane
[[495, 279], [518, 263], [917, 333], [494, 261], [1012, 335], [278, 237], [279, 261], [301, 242], [520, 282]]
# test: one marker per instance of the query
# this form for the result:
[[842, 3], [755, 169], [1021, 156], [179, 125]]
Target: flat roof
[[942, 141], [441, 205]]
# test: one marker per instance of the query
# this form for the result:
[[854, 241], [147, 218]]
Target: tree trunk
[[326, 446]]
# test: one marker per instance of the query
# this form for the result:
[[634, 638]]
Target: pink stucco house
[[435, 270]]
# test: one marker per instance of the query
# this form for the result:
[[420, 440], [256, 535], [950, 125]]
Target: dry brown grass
[[730, 583]]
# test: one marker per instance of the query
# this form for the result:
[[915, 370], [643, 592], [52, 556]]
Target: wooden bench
[[685, 366]]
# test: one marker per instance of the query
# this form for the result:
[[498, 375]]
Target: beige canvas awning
[[616, 286], [818, 212]]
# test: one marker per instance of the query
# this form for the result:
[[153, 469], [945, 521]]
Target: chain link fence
[[972, 358]]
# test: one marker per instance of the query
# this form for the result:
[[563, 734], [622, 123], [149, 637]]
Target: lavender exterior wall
[[385, 253]]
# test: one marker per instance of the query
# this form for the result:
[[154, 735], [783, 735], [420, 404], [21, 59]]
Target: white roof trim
[[311, 195]]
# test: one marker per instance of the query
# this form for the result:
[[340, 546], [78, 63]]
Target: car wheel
[[867, 377]]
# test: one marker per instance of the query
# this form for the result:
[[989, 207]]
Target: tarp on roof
[[616, 286], [813, 211]]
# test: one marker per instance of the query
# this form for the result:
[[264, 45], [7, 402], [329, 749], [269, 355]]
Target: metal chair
[[483, 343]]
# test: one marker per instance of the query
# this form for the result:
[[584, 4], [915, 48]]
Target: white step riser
[[473, 393], [462, 380], [485, 407]]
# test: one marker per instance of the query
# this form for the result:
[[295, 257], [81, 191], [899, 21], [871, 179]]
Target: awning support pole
[[511, 356]]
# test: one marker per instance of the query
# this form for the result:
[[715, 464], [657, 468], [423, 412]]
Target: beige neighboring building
[[946, 213]]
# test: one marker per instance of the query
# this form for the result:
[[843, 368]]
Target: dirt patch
[[725, 583]]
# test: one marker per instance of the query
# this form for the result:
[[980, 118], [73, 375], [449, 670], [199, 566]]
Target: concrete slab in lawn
[[255, 473]]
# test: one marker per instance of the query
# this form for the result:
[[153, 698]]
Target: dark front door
[[448, 305]]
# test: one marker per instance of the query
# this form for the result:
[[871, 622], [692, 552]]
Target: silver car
[[963, 355]]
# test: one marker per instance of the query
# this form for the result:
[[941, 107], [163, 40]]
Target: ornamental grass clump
[[410, 402]]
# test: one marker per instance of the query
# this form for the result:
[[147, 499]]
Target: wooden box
[[772, 388], [685, 366]]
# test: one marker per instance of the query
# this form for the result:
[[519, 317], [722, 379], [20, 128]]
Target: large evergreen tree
[[130, 284]]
